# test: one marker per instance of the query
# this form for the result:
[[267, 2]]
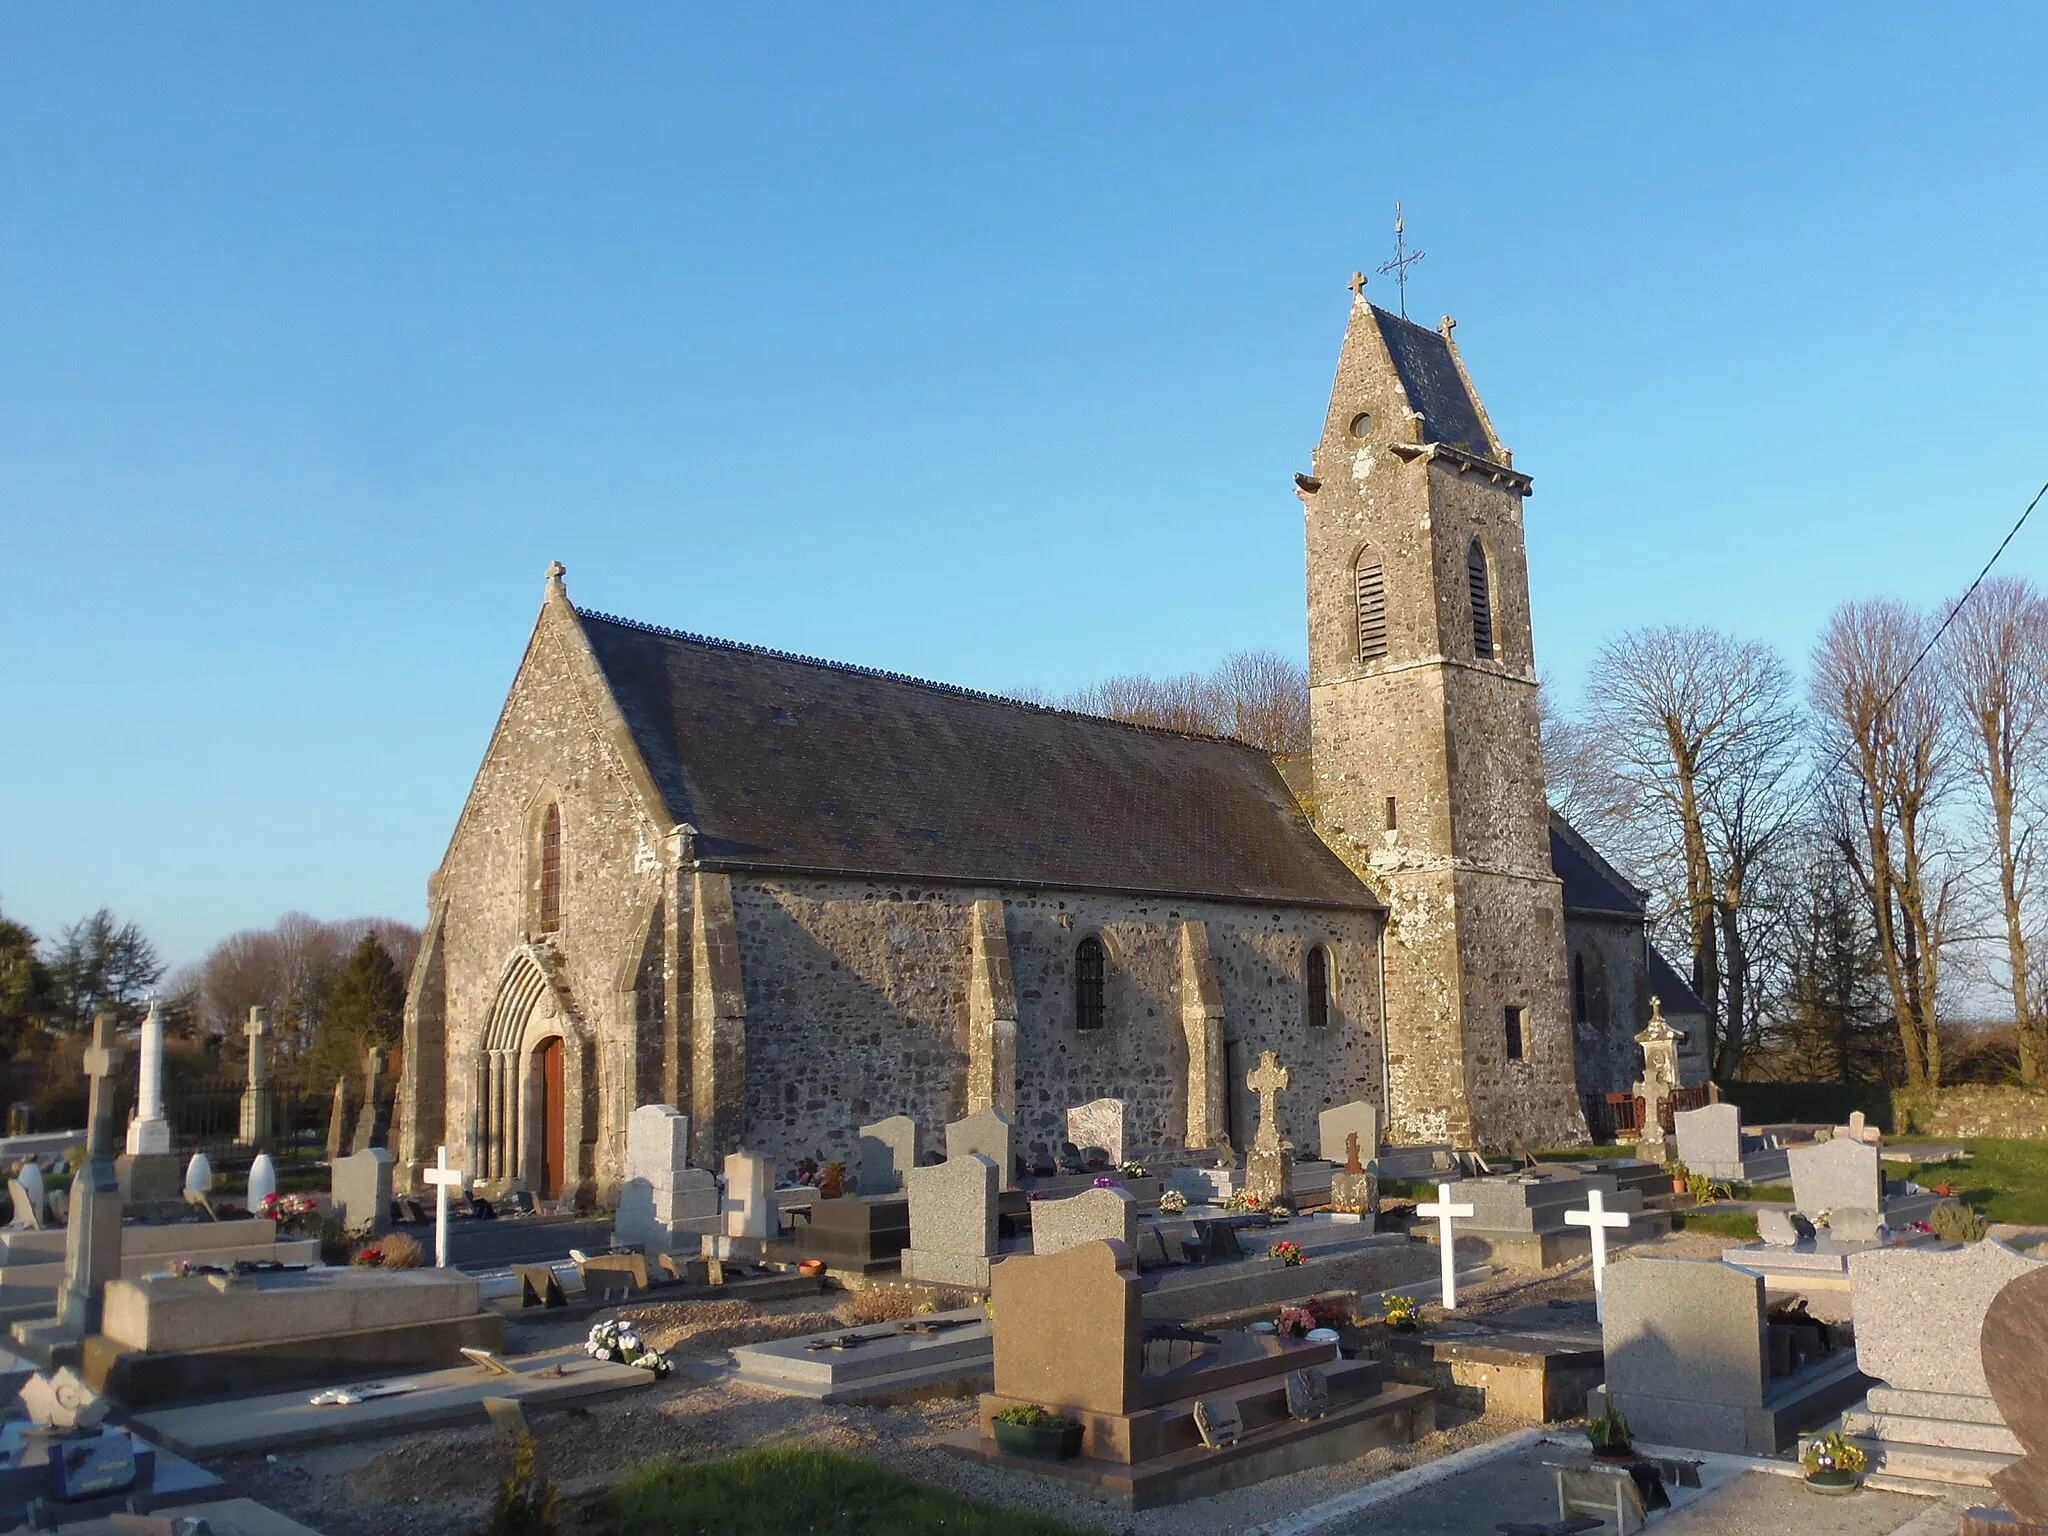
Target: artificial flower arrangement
[[1281, 1212], [1173, 1202], [293, 1214], [1287, 1253], [1131, 1170], [1106, 1182], [1244, 1202], [369, 1256], [1294, 1322], [1403, 1313], [617, 1339], [1832, 1462]]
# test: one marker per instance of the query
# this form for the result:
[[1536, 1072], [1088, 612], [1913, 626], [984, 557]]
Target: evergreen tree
[[365, 1008], [26, 997], [102, 963]]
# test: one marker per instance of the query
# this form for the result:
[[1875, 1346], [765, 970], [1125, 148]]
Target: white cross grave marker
[[443, 1178], [1443, 1211], [1599, 1218]]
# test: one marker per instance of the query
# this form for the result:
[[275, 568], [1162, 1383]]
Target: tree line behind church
[[334, 991], [1846, 860]]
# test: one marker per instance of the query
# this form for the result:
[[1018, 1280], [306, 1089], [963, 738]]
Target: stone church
[[791, 896]]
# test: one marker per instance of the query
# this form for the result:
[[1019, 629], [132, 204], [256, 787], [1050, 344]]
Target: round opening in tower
[[1361, 424]]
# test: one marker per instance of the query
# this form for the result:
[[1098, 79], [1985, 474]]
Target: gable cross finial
[[1357, 285], [1403, 259]]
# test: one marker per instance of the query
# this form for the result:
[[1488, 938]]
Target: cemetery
[[1112, 1332]]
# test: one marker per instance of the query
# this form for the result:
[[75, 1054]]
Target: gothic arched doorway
[[547, 1076]]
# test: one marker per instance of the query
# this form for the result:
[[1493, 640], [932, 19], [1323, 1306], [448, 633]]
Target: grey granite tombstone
[[1686, 1360], [1919, 1313], [888, 1151], [750, 1197], [1098, 1123], [991, 1133], [1710, 1140], [1090, 1216], [664, 1203], [1333, 1125], [1838, 1173], [952, 1222], [360, 1187]]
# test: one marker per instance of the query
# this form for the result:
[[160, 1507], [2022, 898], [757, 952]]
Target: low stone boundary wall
[[1974, 1110]]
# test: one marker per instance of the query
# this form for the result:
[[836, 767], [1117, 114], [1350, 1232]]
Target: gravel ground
[[439, 1482]]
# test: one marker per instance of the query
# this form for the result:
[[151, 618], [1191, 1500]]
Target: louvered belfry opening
[[1372, 609], [1482, 602], [551, 870], [1088, 983]]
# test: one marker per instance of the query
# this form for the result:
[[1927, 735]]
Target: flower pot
[[1833, 1482], [1678, 1186], [1041, 1442]]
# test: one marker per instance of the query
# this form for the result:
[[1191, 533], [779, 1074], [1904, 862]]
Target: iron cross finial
[[1403, 259]]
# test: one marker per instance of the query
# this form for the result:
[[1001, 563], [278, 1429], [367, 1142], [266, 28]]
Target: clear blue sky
[[976, 343]]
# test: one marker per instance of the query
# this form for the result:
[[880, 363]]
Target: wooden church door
[[553, 1107]]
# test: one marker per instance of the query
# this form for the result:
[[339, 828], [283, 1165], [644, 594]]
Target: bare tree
[[1696, 737], [1261, 697], [1886, 720], [1995, 663]]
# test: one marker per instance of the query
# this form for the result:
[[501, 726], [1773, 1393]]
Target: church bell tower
[[1428, 777]]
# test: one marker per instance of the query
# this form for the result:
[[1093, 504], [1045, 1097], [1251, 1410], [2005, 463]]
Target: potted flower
[[1832, 1464], [1294, 1322], [1026, 1429], [1609, 1434], [1680, 1179], [832, 1181], [619, 1340], [1289, 1254], [1173, 1202], [1403, 1315]]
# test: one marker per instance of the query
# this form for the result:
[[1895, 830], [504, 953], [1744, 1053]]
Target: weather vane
[[1403, 260]]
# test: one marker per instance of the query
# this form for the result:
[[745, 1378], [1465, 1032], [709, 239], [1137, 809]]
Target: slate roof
[[1670, 988], [1435, 385], [1591, 884], [784, 762]]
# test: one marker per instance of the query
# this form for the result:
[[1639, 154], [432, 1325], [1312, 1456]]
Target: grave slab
[[890, 1362], [450, 1396]]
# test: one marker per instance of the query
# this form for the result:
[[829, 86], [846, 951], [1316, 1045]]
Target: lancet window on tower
[[551, 870], [1372, 607], [1482, 601], [1089, 974], [1318, 987]]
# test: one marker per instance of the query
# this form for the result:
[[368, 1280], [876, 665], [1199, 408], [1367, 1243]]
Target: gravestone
[[1686, 1354], [337, 1121], [2014, 1346], [1089, 1217], [149, 1133], [1269, 1166], [1658, 1082], [257, 1114], [952, 1222], [1920, 1311], [991, 1133], [888, 1151], [1710, 1140], [1836, 1174], [750, 1196], [92, 1241], [360, 1188], [26, 1190], [663, 1199], [199, 1175], [1098, 1123], [1355, 1190], [369, 1132], [1335, 1126], [1068, 1330], [1852, 1224]]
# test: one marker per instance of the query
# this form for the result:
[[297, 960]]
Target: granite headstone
[[1830, 1175], [888, 1151], [952, 1222], [1334, 1125], [1098, 1123], [991, 1133], [1090, 1216]]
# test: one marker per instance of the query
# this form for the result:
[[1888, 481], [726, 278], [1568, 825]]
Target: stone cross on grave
[[1599, 1219], [1268, 1080], [92, 1244], [1442, 1209], [443, 1178], [1660, 1077], [366, 1124]]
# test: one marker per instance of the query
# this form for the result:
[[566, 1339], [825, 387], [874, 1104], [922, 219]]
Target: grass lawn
[[1736, 1224], [791, 1491], [2004, 1180]]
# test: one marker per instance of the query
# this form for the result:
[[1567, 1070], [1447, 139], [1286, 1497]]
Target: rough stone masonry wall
[[1974, 1110], [551, 742], [857, 1008], [1609, 1059]]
